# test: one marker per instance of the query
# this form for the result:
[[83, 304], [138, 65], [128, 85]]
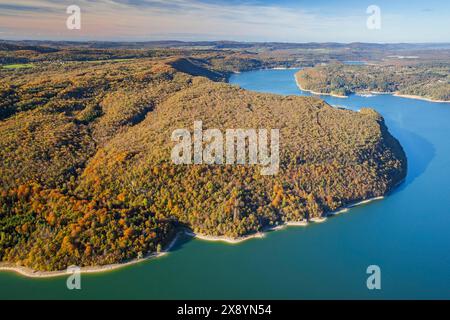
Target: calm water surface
[[407, 234]]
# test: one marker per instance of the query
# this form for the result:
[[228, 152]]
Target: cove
[[407, 234]]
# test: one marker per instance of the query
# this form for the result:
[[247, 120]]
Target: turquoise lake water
[[407, 234]]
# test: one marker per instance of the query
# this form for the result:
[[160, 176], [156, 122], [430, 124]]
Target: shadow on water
[[182, 239], [419, 152]]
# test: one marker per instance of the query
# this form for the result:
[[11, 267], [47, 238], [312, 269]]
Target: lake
[[407, 234]]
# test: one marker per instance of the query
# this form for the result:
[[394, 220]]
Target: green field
[[18, 66]]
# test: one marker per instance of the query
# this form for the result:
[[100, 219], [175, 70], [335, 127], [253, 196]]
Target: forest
[[427, 80], [86, 176]]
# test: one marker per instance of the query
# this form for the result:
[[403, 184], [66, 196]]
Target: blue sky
[[253, 20]]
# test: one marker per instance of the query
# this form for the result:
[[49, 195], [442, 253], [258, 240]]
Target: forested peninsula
[[430, 81], [86, 176]]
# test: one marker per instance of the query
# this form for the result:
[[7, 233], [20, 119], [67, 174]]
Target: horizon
[[284, 21], [222, 41]]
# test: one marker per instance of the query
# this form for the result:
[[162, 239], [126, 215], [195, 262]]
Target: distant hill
[[226, 45]]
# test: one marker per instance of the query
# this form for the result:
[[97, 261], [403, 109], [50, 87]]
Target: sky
[[251, 20]]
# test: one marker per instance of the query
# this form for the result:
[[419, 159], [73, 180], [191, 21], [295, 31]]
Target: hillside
[[86, 176]]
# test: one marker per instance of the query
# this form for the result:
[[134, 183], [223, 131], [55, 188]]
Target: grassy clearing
[[18, 66]]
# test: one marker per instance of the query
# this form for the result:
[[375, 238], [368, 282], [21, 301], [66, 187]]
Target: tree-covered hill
[[86, 176], [427, 80]]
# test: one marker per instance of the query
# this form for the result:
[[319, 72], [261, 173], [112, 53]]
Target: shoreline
[[303, 223], [257, 235], [284, 68], [30, 273], [225, 239], [409, 96], [397, 94]]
